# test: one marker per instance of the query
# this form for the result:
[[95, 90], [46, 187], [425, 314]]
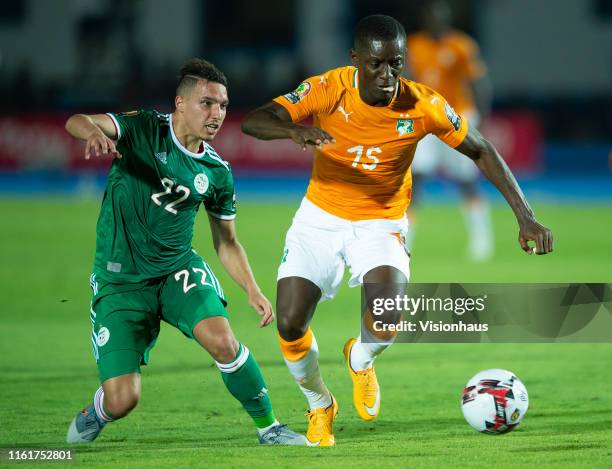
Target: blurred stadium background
[[550, 62]]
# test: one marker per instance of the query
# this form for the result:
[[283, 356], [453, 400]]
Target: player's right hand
[[539, 234], [314, 136], [99, 144], [262, 306]]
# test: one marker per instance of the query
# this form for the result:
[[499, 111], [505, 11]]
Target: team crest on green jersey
[[200, 182], [404, 126], [102, 337]]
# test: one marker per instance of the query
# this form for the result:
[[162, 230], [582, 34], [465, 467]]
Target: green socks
[[244, 381]]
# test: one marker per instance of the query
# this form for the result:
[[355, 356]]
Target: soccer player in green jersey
[[145, 269]]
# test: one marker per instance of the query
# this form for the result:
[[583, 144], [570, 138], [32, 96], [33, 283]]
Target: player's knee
[[120, 402], [224, 348], [296, 301], [384, 281], [290, 324]]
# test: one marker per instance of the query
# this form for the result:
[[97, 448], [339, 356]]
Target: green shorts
[[126, 317]]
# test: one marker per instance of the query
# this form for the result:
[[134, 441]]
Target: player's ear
[[354, 58], [179, 102]]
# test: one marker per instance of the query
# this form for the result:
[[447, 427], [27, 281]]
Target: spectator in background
[[448, 61]]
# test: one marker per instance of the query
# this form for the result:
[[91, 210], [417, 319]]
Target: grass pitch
[[187, 418]]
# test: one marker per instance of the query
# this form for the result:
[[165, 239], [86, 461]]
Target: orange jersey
[[447, 65], [366, 173]]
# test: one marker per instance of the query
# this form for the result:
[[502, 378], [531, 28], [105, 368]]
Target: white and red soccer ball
[[494, 401]]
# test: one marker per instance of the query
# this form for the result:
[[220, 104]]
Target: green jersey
[[153, 194]]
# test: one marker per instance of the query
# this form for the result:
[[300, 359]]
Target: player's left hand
[[538, 233], [263, 307]]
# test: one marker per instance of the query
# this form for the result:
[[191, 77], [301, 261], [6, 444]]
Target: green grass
[[186, 417]]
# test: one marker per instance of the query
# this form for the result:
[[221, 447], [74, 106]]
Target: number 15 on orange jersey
[[370, 153]]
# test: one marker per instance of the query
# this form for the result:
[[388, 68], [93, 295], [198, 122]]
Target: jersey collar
[[178, 143]]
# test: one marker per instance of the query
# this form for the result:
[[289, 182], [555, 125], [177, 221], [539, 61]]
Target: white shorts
[[319, 245], [433, 154]]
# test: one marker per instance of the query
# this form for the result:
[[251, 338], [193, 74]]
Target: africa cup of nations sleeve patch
[[453, 117], [299, 93]]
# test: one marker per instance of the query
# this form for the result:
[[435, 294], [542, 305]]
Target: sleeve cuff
[[116, 124], [283, 102], [458, 139], [220, 216]]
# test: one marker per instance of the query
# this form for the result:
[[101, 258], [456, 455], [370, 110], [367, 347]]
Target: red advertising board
[[40, 142], [249, 154], [36, 142], [519, 139]]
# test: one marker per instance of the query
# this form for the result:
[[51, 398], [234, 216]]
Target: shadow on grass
[[34, 375], [52, 378], [563, 447]]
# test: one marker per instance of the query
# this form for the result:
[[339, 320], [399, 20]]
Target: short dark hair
[[377, 27], [198, 69]]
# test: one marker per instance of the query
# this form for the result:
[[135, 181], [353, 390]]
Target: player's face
[[204, 109], [379, 65]]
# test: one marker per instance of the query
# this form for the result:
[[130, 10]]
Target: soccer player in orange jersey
[[367, 122], [448, 61]]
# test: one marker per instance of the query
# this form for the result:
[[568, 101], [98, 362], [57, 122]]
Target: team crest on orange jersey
[[404, 126]]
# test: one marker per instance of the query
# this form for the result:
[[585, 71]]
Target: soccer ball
[[494, 401]]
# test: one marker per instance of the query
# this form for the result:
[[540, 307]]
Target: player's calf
[[121, 403], [120, 395], [244, 380]]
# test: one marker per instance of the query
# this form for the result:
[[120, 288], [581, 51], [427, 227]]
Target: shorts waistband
[[313, 214]]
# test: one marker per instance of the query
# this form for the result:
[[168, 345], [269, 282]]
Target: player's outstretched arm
[[272, 121], [492, 165], [98, 130], [233, 257]]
